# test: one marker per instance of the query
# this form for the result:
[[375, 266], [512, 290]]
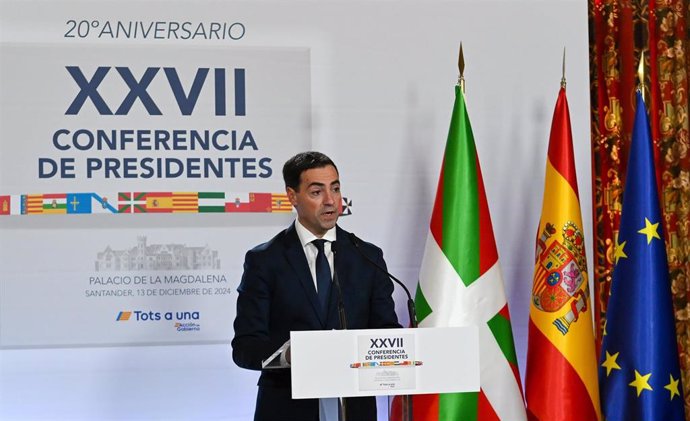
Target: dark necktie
[[323, 276]]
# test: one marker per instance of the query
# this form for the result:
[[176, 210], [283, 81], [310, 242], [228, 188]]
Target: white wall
[[382, 77]]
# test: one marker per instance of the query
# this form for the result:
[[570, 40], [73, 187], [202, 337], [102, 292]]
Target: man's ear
[[292, 196]]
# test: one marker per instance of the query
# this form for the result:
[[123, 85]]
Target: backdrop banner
[[141, 148], [92, 135]]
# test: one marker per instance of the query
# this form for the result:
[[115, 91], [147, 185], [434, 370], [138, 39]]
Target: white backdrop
[[381, 93]]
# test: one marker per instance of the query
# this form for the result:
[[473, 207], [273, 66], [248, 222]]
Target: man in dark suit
[[286, 286]]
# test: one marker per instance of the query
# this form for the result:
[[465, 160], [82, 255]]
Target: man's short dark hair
[[295, 166]]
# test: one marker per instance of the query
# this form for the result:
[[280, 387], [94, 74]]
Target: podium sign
[[370, 362]]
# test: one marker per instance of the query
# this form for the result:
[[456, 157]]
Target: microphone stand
[[411, 309], [336, 282], [407, 414], [342, 410]]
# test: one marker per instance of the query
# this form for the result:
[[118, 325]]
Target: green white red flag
[[460, 284]]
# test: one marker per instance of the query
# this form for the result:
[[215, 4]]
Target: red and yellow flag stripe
[[561, 380]]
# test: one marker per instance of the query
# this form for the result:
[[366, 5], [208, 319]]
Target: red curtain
[[619, 32]]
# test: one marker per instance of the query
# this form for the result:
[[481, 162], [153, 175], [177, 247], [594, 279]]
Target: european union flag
[[639, 374]]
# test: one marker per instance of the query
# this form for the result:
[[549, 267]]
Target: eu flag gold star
[[610, 363], [672, 387], [619, 253], [650, 230], [641, 382]]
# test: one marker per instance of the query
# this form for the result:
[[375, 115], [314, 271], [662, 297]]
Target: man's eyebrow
[[317, 184]]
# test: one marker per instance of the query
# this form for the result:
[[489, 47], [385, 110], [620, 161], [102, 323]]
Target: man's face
[[317, 199]]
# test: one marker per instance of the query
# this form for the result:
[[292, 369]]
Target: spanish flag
[[561, 379]]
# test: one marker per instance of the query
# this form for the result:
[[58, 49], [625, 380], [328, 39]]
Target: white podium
[[373, 362]]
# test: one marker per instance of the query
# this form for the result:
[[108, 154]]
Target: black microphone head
[[333, 247]]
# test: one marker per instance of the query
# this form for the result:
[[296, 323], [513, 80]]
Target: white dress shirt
[[328, 408], [306, 237]]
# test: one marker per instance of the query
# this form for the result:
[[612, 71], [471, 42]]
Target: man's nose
[[329, 198]]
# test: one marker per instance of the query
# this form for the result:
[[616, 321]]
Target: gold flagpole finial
[[461, 70], [640, 74], [563, 74]]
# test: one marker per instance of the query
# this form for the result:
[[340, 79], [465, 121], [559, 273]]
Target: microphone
[[411, 309], [336, 282]]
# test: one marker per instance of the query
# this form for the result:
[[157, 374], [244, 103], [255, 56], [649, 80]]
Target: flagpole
[[461, 70], [563, 83], [407, 409], [461, 236], [640, 76]]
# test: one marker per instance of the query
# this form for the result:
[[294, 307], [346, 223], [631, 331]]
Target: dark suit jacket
[[277, 295]]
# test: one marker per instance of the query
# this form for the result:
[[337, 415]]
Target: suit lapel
[[344, 259], [298, 261]]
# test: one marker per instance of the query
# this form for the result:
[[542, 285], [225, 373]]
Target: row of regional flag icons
[[149, 202]]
